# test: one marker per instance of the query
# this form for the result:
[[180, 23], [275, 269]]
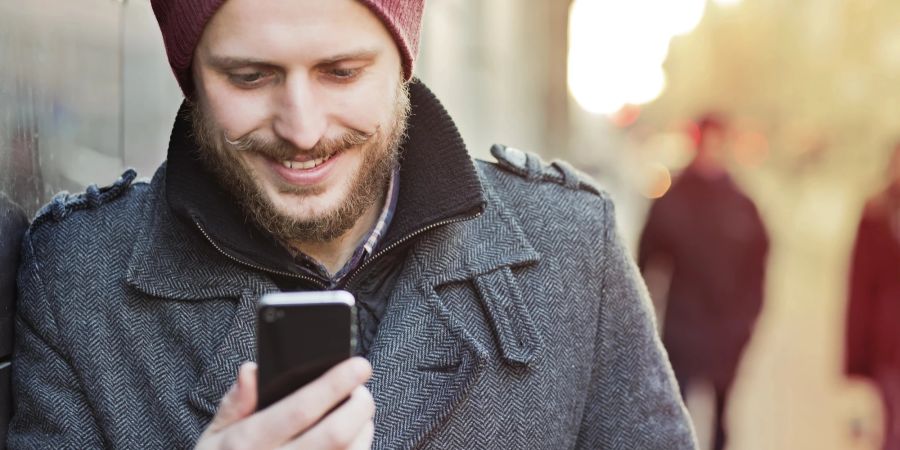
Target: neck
[[335, 254]]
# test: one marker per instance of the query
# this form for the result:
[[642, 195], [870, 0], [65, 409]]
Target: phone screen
[[299, 337]]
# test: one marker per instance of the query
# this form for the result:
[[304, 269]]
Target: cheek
[[235, 111], [239, 118], [351, 167], [364, 108]]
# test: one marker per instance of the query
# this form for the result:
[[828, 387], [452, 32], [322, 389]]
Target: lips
[[302, 171], [306, 165]]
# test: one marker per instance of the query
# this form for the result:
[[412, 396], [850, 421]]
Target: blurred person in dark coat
[[706, 240], [873, 335]]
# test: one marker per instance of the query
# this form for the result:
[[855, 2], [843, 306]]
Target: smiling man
[[497, 305]]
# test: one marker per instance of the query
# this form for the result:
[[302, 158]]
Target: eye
[[249, 79], [343, 74]]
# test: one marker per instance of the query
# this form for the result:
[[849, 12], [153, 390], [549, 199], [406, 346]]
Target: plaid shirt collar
[[387, 213], [309, 266]]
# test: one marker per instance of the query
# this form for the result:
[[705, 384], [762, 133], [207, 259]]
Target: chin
[[304, 208]]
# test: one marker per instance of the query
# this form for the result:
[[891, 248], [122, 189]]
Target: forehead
[[286, 29]]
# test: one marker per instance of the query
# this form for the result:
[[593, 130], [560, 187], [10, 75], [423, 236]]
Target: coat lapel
[[435, 341], [237, 347], [172, 262]]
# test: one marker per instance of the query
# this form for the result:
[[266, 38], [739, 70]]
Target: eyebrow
[[365, 54], [229, 62]]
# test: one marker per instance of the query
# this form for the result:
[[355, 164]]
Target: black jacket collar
[[438, 182]]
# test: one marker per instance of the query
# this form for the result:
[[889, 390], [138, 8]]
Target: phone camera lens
[[270, 315]]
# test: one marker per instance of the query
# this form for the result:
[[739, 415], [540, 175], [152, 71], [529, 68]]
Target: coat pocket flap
[[511, 322]]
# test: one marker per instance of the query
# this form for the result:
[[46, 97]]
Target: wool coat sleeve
[[49, 407], [633, 400]]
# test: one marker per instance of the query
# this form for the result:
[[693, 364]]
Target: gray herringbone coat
[[526, 327]]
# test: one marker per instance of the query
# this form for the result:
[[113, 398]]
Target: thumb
[[239, 402]]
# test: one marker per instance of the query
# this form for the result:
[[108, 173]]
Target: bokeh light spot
[[659, 180]]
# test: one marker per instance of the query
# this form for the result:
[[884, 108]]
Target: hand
[[302, 420]]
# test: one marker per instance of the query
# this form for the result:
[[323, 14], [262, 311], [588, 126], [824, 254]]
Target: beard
[[380, 153]]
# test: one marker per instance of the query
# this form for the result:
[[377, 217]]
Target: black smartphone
[[300, 335]]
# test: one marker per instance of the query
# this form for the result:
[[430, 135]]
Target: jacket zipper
[[359, 269], [254, 266], [368, 261]]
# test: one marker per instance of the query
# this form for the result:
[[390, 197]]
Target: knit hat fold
[[182, 23]]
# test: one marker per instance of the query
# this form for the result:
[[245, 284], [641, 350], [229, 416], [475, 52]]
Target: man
[[706, 239], [497, 307], [872, 339]]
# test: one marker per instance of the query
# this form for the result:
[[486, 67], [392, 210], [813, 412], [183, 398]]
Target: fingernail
[[362, 367], [242, 372]]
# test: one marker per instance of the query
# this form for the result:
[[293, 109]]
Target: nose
[[300, 118]]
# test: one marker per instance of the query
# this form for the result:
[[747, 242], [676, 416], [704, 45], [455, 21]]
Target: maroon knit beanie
[[182, 23]]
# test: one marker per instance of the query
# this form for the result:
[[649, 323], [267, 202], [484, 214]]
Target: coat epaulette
[[531, 167], [64, 203]]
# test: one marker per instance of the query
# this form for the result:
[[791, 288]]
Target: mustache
[[281, 150]]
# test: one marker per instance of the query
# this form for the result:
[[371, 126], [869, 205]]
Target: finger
[[295, 413], [239, 402], [364, 440], [341, 428]]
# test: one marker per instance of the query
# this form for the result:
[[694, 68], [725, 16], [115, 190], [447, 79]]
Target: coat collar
[[171, 259]]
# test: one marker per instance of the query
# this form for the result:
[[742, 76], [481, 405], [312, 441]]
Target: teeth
[[305, 165]]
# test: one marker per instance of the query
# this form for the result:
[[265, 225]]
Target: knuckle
[[364, 394], [370, 430], [367, 402], [336, 438], [235, 441], [336, 386], [299, 414]]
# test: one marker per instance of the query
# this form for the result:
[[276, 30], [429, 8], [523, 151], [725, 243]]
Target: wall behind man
[[500, 68], [85, 93]]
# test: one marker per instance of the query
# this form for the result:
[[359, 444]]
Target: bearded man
[[497, 306]]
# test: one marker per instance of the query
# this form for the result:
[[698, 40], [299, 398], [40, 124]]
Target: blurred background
[[809, 89]]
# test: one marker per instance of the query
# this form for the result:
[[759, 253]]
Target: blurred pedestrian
[[707, 240], [873, 318]]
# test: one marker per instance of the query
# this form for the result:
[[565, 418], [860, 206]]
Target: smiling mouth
[[307, 164]]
